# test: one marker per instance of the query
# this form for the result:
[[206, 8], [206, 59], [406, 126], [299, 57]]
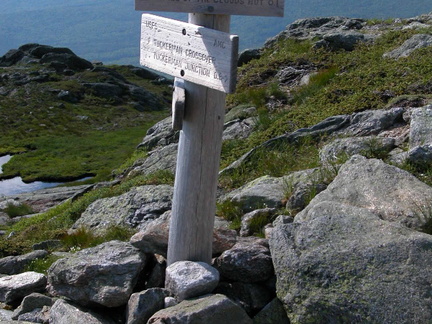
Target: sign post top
[[217, 7]]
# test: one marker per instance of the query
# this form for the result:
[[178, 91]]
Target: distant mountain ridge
[[109, 30]]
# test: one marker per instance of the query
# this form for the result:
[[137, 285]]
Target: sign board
[[224, 7], [197, 54]]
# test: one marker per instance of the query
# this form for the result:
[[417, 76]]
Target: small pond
[[16, 185]]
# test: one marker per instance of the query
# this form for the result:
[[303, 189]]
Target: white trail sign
[[197, 54]]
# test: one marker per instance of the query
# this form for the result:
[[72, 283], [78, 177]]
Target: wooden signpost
[[205, 58]]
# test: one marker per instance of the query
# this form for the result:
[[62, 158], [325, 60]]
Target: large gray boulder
[[420, 155], [343, 264], [101, 276], [268, 192], [389, 192], [188, 279], [16, 287], [211, 309], [134, 208], [415, 42], [63, 312], [372, 122]]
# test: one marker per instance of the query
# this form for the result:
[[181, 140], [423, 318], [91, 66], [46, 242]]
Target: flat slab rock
[[211, 309], [43, 199], [134, 208]]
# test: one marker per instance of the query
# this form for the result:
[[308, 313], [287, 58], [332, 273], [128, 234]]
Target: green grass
[[42, 265], [61, 141], [345, 83], [71, 157], [55, 223], [231, 211], [13, 210], [276, 161]]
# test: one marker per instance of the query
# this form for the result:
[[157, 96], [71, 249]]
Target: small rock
[[32, 302], [170, 302], [143, 305], [273, 313], [420, 155], [246, 262], [254, 221], [420, 127], [187, 279], [251, 297], [37, 315]]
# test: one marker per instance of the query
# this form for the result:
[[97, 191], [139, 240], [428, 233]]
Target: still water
[[16, 185]]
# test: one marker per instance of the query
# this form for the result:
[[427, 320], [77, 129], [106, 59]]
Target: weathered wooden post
[[208, 66], [198, 160]]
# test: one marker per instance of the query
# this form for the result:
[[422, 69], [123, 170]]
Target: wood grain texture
[[194, 201], [178, 104], [201, 55], [225, 7]]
